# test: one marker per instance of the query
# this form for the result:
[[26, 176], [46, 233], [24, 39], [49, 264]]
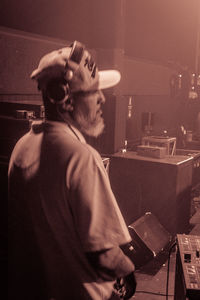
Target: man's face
[[87, 112]]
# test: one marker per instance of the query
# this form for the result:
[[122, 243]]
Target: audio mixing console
[[187, 278]]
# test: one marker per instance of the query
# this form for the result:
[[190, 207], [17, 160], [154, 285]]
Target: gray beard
[[92, 128]]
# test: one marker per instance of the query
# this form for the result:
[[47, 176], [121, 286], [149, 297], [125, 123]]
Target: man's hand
[[130, 285], [126, 286]]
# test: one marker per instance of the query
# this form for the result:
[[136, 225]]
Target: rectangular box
[[151, 151], [149, 238], [161, 141]]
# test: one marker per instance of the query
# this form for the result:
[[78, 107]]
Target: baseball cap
[[76, 65]]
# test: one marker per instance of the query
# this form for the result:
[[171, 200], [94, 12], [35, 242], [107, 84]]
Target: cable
[[167, 283], [152, 293], [169, 255]]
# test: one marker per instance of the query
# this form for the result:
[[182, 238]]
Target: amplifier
[[169, 143], [187, 276], [151, 151], [149, 238]]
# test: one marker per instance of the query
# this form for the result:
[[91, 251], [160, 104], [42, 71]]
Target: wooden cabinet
[[159, 186]]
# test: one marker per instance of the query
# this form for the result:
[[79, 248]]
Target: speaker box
[[149, 238]]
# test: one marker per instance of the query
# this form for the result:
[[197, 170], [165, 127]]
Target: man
[[65, 226]]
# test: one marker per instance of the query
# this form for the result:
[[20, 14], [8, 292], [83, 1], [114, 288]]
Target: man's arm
[[113, 264]]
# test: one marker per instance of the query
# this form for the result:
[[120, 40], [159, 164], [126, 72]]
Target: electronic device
[[187, 276], [161, 141], [151, 151]]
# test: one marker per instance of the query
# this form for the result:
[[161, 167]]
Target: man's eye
[[90, 93]]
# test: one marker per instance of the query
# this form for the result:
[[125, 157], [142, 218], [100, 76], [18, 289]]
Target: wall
[[21, 51], [92, 22], [103, 26], [143, 77], [148, 82], [20, 54]]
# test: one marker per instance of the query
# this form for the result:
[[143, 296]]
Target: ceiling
[[162, 31]]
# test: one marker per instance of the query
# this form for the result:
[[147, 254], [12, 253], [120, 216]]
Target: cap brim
[[108, 78], [35, 74]]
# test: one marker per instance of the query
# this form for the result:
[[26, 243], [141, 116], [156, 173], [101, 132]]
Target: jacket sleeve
[[111, 264]]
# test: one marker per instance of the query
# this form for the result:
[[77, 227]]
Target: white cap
[[76, 65]]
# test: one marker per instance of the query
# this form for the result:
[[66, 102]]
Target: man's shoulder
[[68, 142]]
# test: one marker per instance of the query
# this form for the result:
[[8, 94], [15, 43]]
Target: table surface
[[170, 159]]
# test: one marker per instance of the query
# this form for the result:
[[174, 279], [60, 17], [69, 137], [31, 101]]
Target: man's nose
[[102, 98]]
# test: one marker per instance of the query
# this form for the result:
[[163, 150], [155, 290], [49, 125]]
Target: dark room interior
[[150, 145]]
